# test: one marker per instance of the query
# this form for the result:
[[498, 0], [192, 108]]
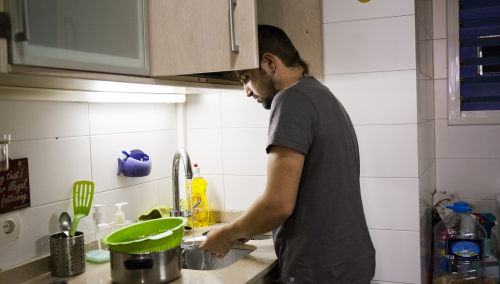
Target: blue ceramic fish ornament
[[136, 164]]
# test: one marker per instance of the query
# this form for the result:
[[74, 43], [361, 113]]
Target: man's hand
[[219, 241], [270, 210]]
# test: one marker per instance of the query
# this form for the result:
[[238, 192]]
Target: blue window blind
[[479, 55]]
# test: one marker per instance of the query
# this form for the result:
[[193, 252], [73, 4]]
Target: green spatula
[[83, 193]]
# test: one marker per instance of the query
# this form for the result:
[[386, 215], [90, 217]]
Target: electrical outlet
[[10, 228]]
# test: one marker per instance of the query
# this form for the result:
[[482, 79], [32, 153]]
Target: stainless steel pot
[[157, 267]]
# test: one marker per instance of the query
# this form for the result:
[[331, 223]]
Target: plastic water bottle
[[459, 248]]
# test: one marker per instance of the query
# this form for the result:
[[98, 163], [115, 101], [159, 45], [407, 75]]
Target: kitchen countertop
[[246, 270]]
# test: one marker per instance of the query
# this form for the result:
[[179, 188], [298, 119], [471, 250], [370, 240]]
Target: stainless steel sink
[[198, 260]]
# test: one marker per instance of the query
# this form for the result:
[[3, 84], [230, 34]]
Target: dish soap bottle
[[120, 221], [199, 194], [99, 256], [460, 239]]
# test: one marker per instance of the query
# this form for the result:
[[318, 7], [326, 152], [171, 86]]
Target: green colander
[[149, 236]]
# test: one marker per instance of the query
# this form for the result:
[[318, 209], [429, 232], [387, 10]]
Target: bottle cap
[[461, 204], [120, 216], [459, 209], [196, 169], [97, 212]]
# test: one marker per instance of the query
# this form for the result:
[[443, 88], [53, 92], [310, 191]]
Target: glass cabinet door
[[91, 35]]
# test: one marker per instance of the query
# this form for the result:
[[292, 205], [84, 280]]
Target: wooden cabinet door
[[301, 21], [193, 36]]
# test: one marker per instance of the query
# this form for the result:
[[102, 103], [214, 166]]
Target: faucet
[[180, 153]]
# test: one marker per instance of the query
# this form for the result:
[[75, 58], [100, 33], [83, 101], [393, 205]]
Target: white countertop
[[246, 270]]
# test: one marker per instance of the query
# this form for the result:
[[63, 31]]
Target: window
[[474, 61]]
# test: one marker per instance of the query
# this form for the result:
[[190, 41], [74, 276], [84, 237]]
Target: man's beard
[[269, 90]]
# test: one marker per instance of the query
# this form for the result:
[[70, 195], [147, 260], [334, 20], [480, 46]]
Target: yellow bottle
[[199, 194]]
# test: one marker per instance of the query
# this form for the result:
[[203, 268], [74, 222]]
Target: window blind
[[479, 55]]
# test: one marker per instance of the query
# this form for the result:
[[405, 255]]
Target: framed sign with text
[[15, 186]]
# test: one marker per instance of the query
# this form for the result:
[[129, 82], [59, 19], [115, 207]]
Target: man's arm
[[284, 169]]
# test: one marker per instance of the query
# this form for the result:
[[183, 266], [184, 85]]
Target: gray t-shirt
[[326, 239]]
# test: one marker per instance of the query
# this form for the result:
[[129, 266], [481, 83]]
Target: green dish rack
[[146, 237]]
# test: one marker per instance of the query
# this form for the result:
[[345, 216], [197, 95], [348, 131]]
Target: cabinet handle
[[25, 34], [234, 47]]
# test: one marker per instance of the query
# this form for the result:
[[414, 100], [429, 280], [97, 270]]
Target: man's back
[[326, 239]]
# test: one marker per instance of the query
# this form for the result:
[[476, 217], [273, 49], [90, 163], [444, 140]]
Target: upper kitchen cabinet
[[190, 37], [92, 35]]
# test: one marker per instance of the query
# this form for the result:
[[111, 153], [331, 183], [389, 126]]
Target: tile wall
[[467, 157], [67, 142], [227, 137], [378, 62]]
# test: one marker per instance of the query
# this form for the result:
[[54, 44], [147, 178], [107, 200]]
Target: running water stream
[[189, 250]]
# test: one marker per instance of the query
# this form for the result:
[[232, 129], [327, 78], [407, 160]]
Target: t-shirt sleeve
[[292, 122]]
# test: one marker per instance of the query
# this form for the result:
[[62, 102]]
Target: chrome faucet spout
[[181, 153]]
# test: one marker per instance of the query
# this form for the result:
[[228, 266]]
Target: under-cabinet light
[[36, 94]]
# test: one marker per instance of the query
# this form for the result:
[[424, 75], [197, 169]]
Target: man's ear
[[269, 60]]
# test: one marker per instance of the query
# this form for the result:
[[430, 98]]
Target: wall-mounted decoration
[[15, 186], [136, 164]]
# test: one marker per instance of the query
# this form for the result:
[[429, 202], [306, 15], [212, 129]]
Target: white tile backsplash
[[240, 111], [37, 224], [420, 10], [421, 46], [426, 188], [37, 120], [54, 165], [141, 198], [429, 56], [467, 141], [397, 255], [166, 145], [348, 10], [441, 98], [242, 191], [469, 178], [205, 149], [244, 151], [215, 192], [64, 144], [429, 21], [382, 98], [440, 59], [203, 110], [439, 19], [384, 196], [165, 192], [483, 206], [388, 150], [165, 116], [425, 145], [121, 118], [422, 106], [106, 149], [370, 45]]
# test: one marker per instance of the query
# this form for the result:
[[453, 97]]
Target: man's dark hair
[[275, 41]]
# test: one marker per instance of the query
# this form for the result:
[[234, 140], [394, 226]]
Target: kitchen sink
[[194, 259]]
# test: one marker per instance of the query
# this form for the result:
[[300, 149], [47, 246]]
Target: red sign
[[15, 186]]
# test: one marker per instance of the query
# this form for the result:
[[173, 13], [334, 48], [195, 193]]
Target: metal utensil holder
[[67, 255]]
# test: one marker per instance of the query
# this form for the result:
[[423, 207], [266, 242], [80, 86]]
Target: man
[[312, 198]]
